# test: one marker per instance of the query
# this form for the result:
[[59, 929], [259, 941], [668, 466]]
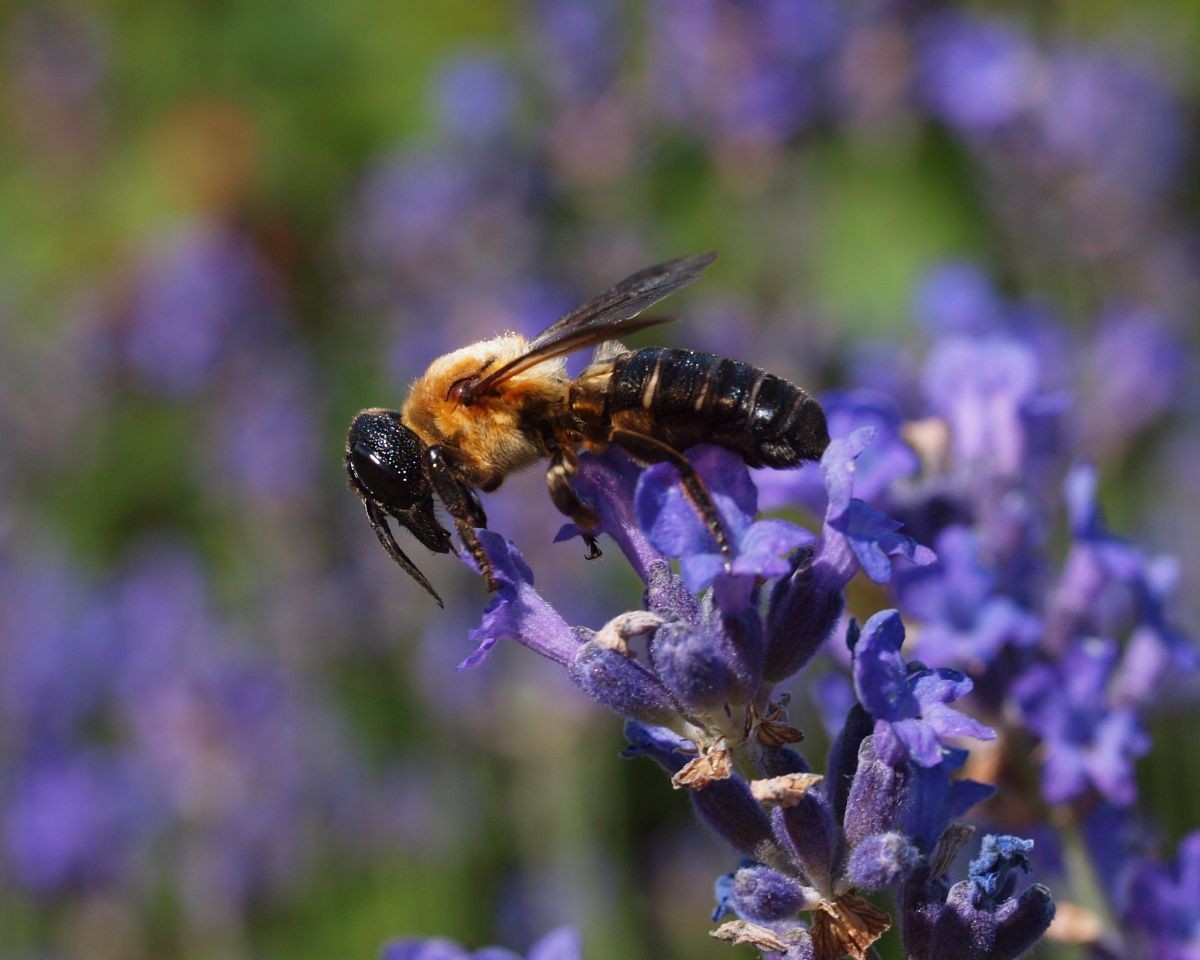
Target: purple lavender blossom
[[1087, 739], [200, 294], [984, 388], [1133, 373], [965, 620], [958, 297], [856, 535], [672, 524], [751, 73], [909, 702], [560, 944], [1110, 115], [981, 919], [975, 75], [474, 94], [76, 820], [518, 612], [1164, 903]]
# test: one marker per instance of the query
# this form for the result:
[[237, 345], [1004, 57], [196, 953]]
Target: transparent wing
[[611, 315]]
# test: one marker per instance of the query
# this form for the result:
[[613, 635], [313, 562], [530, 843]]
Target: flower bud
[[691, 663], [808, 833], [1020, 923], [881, 861], [621, 684], [876, 796], [801, 615], [843, 757], [667, 595], [766, 896], [729, 808]]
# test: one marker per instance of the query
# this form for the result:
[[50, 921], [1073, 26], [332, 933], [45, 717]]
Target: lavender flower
[[979, 918], [475, 98], [674, 527], [974, 75], [965, 620], [76, 820], [201, 294], [560, 944], [1163, 903], [1087, 738], [909, 703], [701, 704]]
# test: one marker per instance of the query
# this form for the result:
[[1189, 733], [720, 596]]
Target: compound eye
[[390, 480]]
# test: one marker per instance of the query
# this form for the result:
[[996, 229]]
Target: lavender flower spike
[[908, 702], [560, 944], [981, 919]]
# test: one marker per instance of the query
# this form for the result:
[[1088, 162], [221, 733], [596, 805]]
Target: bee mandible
[[500, 405]]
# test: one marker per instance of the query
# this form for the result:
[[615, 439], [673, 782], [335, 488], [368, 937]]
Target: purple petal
[[940, 686], [700, 570], [423, 950], [608, 481], [765, 549], [1063, 774], [874, 539], [518, 612], [1079, 491], [669, 519], [920, 740], [964, 794], [560, 944], [880, 677], [947, 722], [672, 522], [837, 469]]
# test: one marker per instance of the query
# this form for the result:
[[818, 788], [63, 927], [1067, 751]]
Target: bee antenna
[[380, 525]]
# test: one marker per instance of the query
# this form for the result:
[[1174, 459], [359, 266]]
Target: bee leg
[[653, 450], [463, 505], [564, 463]]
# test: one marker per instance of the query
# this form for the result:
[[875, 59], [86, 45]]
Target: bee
[[501, 405]]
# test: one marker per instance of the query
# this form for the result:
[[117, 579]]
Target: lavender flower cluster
[[1059, 661], [137, 717], [139, 730]]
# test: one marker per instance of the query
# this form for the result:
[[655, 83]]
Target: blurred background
[[229, 726]]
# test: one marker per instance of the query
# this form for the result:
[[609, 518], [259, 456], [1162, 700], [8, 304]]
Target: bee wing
[[611, 315]]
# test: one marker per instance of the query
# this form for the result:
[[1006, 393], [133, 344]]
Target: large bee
[[500, 405]]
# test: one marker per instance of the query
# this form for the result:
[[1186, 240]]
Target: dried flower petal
[[785, 791], [752, 934], [847, 925], [714, 763]]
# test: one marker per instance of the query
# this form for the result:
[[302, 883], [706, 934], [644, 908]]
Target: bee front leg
[[564, 464], [463, 505]]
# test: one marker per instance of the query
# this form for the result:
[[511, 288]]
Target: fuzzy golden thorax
[[497, 434]]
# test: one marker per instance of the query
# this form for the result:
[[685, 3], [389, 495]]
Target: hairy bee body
[[495, 435], [685, 398], [500, 405]]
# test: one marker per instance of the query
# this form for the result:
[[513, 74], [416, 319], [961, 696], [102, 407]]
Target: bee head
[[386, 464]]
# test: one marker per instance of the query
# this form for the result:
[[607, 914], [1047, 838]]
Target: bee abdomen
[[690, 398]]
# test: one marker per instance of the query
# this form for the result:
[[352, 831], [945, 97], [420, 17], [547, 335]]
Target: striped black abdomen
[[687, 398]]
